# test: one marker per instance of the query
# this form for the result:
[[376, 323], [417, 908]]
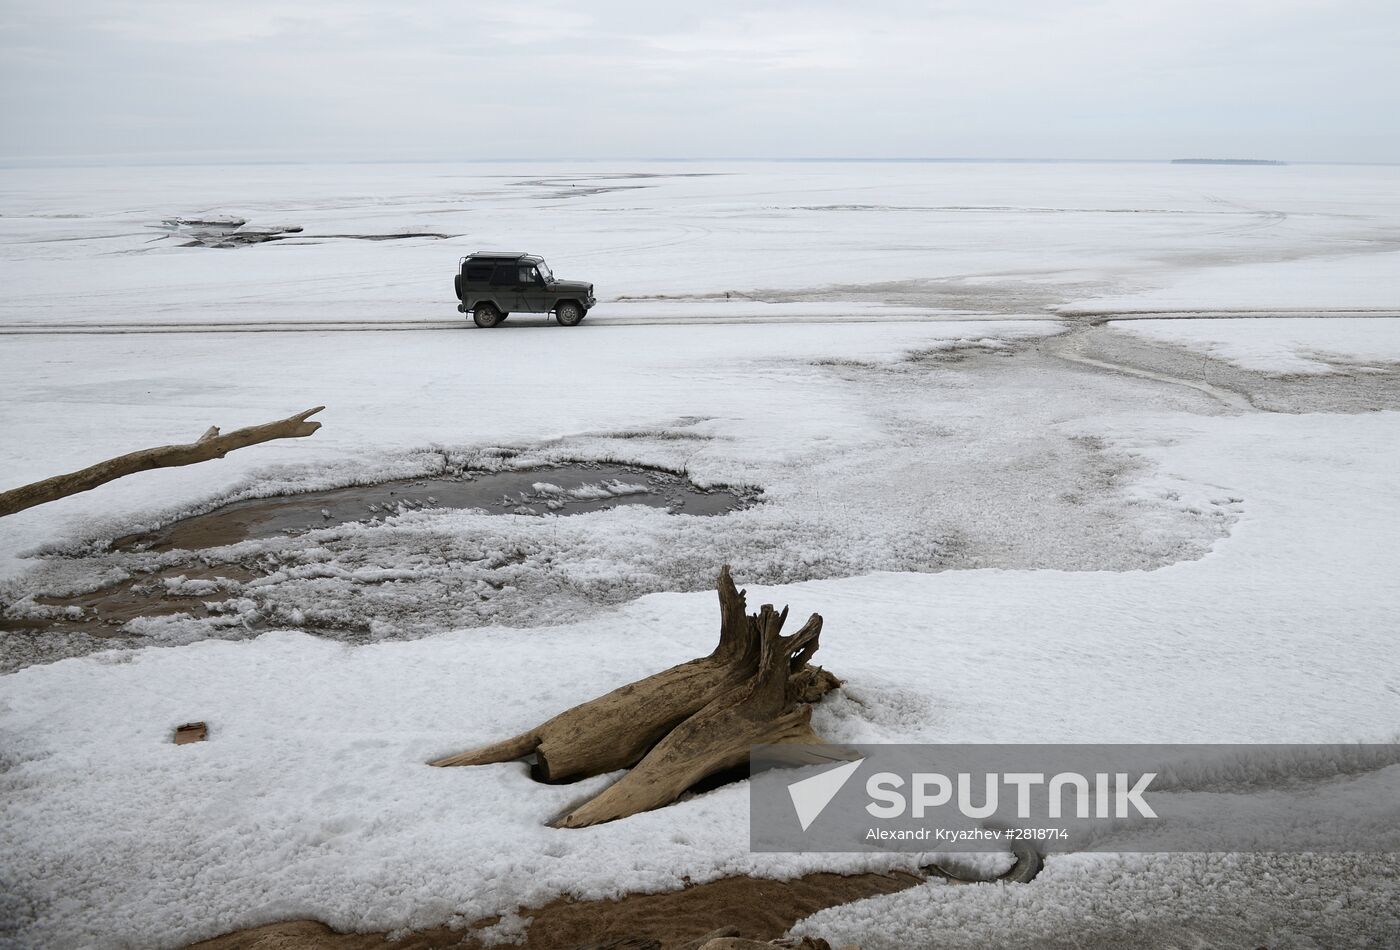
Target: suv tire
[[486, 315], [568, 313]]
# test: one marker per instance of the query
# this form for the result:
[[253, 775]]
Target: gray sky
[[356, 79]]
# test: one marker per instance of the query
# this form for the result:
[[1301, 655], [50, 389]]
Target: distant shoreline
[[11, 163], [1226, 161]]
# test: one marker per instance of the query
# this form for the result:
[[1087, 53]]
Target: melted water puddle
[[570, 489], [561, 490]]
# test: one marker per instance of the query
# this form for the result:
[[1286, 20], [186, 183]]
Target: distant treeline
[[1226, 161]]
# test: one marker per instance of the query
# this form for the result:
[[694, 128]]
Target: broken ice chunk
[[617, 486]]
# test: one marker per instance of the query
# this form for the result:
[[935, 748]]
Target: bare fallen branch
[[211, 445]]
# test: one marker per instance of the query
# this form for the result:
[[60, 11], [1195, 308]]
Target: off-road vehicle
[[492, 285]]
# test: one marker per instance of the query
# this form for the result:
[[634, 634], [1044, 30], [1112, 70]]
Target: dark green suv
[[492, 285]]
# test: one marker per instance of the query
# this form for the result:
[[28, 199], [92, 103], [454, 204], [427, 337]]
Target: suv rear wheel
[[568, 314], [486, 315]]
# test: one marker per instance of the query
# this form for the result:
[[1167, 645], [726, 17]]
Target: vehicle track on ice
[[375, 326], [1081, 318]]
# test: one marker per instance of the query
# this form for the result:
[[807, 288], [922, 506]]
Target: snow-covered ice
[[1284, 345], [1057, 547], [677, 241]]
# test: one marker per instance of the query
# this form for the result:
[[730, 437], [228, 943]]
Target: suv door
[[506, 287], [532, 290]]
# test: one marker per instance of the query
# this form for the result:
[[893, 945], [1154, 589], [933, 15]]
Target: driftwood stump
[[211, 445], [762, 710], [683, 724]]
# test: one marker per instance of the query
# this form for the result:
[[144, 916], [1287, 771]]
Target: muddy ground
[[755, 909]]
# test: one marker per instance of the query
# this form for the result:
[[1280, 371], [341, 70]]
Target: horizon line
[[108, 161]]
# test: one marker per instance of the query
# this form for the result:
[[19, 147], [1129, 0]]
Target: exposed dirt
[[103, 611], [759, 909]]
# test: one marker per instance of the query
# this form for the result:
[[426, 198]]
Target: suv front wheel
[[568, 314], [486, 315]]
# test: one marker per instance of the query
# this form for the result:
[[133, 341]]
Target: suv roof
[[497, 255]]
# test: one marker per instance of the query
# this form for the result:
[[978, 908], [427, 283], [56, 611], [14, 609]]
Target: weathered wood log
[[614, 731], [211, 445], [811, 683], [764, 710], [782, 943]]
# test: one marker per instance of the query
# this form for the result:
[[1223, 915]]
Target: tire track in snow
[[367, 326], [1082, 317]]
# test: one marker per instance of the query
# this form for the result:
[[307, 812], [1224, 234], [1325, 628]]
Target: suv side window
[[504, 276], [478, 273], [528, 275]]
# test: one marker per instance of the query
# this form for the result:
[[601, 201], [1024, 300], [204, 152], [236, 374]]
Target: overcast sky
[[362, 80]]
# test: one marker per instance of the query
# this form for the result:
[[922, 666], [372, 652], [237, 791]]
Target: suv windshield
[[545, 272]]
